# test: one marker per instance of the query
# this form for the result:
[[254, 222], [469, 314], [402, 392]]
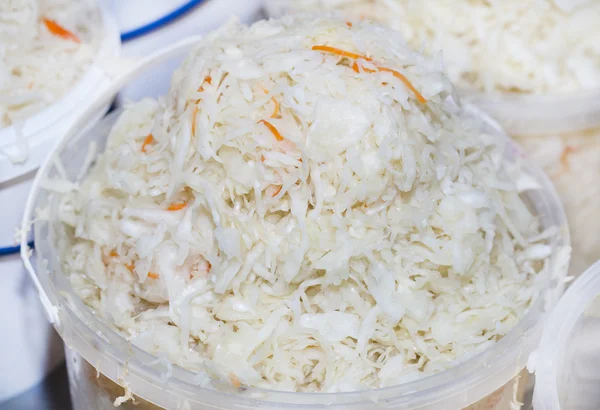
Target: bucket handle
[[105, 98]]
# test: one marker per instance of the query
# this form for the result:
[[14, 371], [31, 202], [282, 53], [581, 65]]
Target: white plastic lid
[[567, 363]]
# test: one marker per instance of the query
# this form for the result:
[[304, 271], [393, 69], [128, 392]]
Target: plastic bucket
[[567, 361], [30, 346], [105, 369], [537, 115], [44, 129], [29, 343]]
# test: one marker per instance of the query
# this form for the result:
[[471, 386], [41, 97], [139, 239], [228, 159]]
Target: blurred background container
[[30, 348]]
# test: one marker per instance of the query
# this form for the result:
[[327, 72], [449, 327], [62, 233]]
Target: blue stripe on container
[[161, 22]]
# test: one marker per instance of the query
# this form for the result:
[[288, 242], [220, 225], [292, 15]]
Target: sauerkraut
[[516, 46], [45, 47], [305, 210], [573, 163]]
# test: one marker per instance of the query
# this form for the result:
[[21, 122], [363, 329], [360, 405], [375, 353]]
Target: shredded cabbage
[[573, 163], [524, 46], [380, 239], [39, 60]]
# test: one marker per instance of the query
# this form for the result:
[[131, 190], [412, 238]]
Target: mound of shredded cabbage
[[45, 47], [523, 46], [304, 212]]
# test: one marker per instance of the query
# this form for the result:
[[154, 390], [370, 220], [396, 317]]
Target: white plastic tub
[[44, 129], [104, 368], [30, 347], [535, 115]]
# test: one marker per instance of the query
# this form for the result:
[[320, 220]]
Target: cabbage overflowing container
[[105, 368]]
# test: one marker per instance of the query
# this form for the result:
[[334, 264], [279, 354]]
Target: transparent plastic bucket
[[567, 362], [105, 369]]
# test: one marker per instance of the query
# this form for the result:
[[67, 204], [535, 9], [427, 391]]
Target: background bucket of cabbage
[[42, 130], [30, 347], [520, 114], [104, 368]]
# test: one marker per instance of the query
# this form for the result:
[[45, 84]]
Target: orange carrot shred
[[194, 115], [407, 83], [130, 267], [396, 74], [262, 158], [273, 130], [340, 52], [177, 207], [207, 79], [277, 191], [366, 70], [234, 380], [113, 254], [275, 109], [149, 139], [209, 265], [349, 24], [153, 275], [59, 31], [564, 156]]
